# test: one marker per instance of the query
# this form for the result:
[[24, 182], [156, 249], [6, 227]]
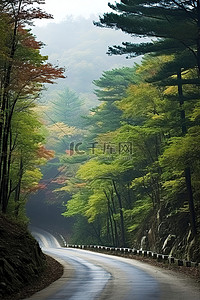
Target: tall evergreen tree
[[174, 25], [67, 108], [109, 88]]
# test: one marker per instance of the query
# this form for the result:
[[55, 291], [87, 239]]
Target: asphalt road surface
[[90, 275]]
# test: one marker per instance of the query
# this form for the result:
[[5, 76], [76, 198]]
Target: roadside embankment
[[23, 267]]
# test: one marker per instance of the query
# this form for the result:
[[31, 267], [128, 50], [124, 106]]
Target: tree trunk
[[198, 36], [18, 188], [129, 196], [181, 102], [187, 169], [5, 124], [110, 218], [191, 201], [121, 215], [97, 233], [5, 171], [113, 209]]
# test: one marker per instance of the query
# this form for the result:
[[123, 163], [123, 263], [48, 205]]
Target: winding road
[[88, 275]]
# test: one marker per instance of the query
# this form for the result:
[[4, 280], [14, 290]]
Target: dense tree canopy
[[23, 71], [174, 24], [128, 170], [138, 168]]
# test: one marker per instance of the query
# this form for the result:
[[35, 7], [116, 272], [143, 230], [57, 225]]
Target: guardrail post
[[180, 262], [144, 253], [154, 255], [165, 258], [159, 257], [188, 264], [171, 260]]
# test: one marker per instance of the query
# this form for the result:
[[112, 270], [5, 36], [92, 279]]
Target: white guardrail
[[134, 252]]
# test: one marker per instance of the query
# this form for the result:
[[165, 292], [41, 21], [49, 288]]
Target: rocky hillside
[[167, 233], [21, 259]]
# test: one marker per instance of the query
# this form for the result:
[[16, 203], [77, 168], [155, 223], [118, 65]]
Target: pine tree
[[174, 26]]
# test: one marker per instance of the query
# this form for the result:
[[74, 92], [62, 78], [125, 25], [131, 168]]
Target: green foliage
[[174, 24], [111, 87], [24, 171], [66, 108], [181, 152], [137, 215], [23, 72], [145, 130], [129, 184], [97, 205], [63, 114], [78, 204], [113, 84]]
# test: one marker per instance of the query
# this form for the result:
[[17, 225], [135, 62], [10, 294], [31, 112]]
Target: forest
[[127, 170]]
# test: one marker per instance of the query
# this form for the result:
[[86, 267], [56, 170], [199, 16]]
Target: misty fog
[[81, 47]]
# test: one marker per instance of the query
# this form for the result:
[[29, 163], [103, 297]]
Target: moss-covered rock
[[169, 233]]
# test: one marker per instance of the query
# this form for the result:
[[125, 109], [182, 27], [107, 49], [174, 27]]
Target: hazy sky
[[61, 9], [72, 41]]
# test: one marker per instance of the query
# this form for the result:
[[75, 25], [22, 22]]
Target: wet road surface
[[90, 275]]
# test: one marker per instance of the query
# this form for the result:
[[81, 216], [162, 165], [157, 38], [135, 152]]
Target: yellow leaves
[[183, 151], [77, 205], [100, 124], [175, 184], [133, 227], [60, 129], [152, 65], [196, 112], [143, 100], [137, 181], [80, 185], [94, 170], [158, 117], [31, 179], [141, 181], [138, 213], [65, 188], [171, 90], [96, 205], [33, 174]]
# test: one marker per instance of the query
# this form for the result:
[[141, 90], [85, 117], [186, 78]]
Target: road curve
[[90, 275]]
